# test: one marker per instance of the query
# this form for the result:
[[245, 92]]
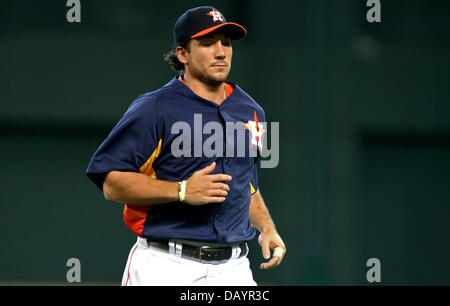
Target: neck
[[216, 94]]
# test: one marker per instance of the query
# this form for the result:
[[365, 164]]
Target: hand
[[203, 187], [271, 240]]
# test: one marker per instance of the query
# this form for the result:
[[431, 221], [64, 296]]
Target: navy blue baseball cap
[[200, 21]]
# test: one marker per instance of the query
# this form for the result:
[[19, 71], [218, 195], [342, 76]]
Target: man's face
[[209, 58]]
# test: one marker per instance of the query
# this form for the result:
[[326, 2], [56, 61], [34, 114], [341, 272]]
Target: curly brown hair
[[172, 59]]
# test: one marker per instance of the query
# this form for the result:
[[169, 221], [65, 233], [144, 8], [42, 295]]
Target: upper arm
[[256, 196]]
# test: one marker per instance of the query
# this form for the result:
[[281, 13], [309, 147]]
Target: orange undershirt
[[228, 88]]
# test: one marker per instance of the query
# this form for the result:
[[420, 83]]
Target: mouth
[[219, 65]]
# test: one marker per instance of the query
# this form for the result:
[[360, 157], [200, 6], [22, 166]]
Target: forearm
[[138, 189], [259, 214], [269, 238]]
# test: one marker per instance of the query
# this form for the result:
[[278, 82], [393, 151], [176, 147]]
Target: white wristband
[[181, 190]]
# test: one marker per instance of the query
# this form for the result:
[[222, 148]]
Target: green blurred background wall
[[364, 112]]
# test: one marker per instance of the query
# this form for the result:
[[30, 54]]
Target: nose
[[219, 50]]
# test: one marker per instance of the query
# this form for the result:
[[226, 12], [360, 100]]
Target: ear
[[181, 54]]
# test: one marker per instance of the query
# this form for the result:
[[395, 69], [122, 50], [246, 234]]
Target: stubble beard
[[208, 79]]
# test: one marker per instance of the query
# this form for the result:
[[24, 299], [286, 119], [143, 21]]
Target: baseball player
[[193, 212]]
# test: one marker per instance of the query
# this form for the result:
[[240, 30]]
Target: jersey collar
[[183, 87]]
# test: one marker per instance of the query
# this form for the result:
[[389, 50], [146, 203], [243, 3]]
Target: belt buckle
[[202, 253]]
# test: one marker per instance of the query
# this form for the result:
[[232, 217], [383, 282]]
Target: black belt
[[201, 254]]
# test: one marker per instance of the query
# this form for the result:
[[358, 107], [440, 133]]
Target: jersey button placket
[[220, 226]]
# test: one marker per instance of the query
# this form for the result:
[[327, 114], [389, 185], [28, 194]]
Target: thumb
[[209, 169]]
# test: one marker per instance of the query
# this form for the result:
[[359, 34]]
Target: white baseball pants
[[150, 266]]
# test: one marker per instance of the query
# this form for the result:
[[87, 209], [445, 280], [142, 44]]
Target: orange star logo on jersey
[[216, 15], [257, 130]]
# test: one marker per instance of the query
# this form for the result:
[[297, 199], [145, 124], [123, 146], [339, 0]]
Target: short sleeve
[[130, 142], [254, 179]]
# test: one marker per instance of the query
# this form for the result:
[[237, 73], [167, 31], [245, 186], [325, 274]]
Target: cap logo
[[216, 15]]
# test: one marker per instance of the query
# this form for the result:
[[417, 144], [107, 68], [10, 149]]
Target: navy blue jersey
[[146, 140]]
